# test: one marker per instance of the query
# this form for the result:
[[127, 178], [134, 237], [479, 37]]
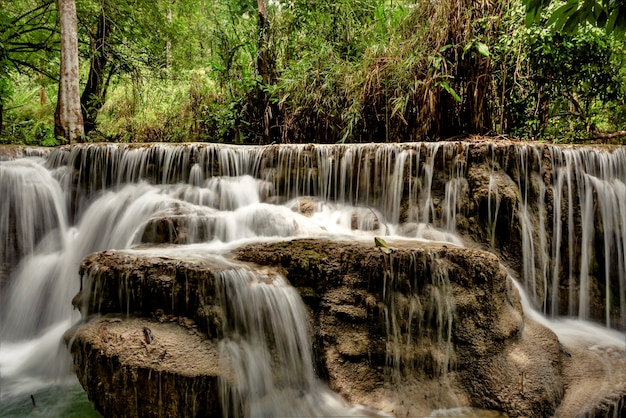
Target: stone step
[[137, 367], [151, 284]]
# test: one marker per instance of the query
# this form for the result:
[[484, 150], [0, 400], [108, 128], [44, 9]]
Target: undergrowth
[[359, 71]]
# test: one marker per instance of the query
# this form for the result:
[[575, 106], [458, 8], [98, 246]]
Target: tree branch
[[33, 29], [27, 48], [43, 6], [17, 62], [580, 112]]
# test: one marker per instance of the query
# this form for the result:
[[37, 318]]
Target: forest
[[280, 71]]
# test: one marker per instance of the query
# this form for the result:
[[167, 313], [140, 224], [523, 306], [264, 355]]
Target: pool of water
[[67, 400]]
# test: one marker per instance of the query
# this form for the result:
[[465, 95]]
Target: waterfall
[[557, 215], [493, 201], [534, 261], [418, 321], [31, 207], [267, 346], [598, 180]]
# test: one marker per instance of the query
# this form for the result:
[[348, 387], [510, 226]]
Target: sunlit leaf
[[483, 49], [573, 22], [534, 9]]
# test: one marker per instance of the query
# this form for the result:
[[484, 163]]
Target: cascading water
[[32, 206], [597, 180], [590, 343], [57, 209], [268, 348], [419, 325]]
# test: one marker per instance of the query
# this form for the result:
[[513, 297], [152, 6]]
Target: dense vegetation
[[318, 71]]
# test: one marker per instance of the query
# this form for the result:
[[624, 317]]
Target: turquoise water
[[63, 401]]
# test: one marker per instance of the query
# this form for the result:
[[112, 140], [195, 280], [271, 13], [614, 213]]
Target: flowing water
[[267, 346], [569, 205]]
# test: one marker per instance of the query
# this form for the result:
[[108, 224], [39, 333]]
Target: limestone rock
[[596, 381], [125, 375], [484, 330], [424, 327], [144, 285]]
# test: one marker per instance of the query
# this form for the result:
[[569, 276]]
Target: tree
[[267, 72], [138, 38], [567, 18], [68, 118], [27, 35], [94, 92]]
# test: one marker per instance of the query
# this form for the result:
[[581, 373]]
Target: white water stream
[[348, 192], [35, 304], [267, 345]]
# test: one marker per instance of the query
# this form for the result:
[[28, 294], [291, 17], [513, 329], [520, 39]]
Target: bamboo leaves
[[534, 9], [569, 17], [446, 86]]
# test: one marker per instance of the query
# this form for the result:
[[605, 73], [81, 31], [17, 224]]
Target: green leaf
[[560, 15], [436, 64], [574, 21], [601, 19], [610, 24], [380, 243], [483, 49], [534, 9], [620, 23], [450, 90]]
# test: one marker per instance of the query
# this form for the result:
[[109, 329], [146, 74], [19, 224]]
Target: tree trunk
[[93, 95], [68, 118], [168, 45], [263, 55], [268, 112]]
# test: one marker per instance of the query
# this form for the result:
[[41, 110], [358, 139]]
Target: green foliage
[[344, 71], [30, 132], [28, 40], [386, 76], [6, 88], [361, 71], [28, 37], [155, 111], [567, 17], [557, 84], [28, 113]]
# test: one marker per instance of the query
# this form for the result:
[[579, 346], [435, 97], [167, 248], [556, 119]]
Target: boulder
[[426, 326], [417, 328], [147, 285], [138, 367]]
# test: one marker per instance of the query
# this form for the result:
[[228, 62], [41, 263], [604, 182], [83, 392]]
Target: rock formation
[[424, 327], [548, 211], [404, 327]]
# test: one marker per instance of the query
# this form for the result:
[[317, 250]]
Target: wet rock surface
[[424, 327], [143, 284], [596, 381], [369, 318], [10, 152], [491, 179], [138, 367]]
